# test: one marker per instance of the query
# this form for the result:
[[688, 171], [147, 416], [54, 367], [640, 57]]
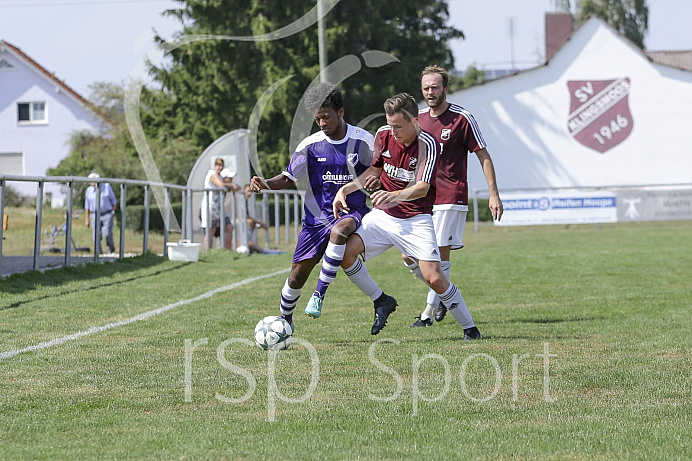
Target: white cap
[[94, 175], [226, 173]]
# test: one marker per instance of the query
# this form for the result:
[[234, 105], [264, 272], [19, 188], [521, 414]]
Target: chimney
[[558, 28]]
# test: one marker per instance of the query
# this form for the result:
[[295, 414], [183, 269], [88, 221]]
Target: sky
[[87, 41]]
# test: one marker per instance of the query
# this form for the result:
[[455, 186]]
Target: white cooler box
[[183, 250]]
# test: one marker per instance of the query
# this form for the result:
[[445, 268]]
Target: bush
[[483, 210], [17, 200], [134, 217]]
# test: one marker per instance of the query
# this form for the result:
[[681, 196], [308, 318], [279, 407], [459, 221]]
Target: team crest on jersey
[[352, 159], [600, 117], [445, 134], [412, 162]]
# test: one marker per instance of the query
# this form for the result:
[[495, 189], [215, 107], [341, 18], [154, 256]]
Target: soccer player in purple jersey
[[328, 159], [457, 133]]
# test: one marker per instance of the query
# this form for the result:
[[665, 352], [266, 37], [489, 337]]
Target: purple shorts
[[314, 238]]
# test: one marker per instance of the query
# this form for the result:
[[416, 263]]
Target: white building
[[600, 112], [38, 113]]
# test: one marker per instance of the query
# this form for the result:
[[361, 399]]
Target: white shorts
[[413, 236], [449, 227]]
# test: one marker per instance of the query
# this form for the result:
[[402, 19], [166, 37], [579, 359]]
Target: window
[[11, 163], [31, 112], [6, 65]]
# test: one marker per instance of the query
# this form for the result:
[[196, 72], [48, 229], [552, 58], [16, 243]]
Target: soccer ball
[[273, 333], [243, 249]]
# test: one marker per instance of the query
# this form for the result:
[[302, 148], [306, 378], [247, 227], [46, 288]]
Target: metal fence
[[275, 207]]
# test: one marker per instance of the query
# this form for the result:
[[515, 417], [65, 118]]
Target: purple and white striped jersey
[[328, 165]]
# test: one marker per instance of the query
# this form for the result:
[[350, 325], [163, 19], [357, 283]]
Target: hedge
[[134, 217], [483, 210]]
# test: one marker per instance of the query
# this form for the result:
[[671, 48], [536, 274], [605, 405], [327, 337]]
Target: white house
[[600, 112], [38, 112]]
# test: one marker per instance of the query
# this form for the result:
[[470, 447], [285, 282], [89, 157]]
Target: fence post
[[166, 220], [37, 228], [476, 220], [96, 223], [145, 244], [68, 223], [222, 218], [265, 218], [2, 213], [208, 220], [190, 215], [277, 220], [296, 213], [234, 221], [123, 213], [183, 216], [287, 216], [187, 214]]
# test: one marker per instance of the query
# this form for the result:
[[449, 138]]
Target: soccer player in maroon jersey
[[404, 164], [457, 133]]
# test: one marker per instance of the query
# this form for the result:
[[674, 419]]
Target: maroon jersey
[[403, 166], [458, 134]]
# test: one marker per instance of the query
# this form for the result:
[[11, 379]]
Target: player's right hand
[[339, 205]]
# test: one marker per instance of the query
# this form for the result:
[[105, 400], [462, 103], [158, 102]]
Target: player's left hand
[[372, 183], [381, 197]]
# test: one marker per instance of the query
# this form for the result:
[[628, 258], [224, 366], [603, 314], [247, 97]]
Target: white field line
[[136, 318]]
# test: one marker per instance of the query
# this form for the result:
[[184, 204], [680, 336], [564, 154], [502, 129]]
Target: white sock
[[289, 298], [428, 312], [415, 270], [454, 302], [359, 275], [433, 298]]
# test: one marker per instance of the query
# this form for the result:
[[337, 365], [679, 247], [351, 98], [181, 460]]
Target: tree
[[471, 77], [210, 87], [629, 17], [111, 153]]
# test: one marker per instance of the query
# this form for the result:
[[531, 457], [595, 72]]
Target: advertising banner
[[558, 207], [654, 205]]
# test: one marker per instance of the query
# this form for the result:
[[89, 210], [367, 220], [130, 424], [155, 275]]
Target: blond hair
[[402, 103], [437, 70]]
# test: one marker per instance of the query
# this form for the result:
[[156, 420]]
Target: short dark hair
[[402, 103], [437, 70], [324, 94]]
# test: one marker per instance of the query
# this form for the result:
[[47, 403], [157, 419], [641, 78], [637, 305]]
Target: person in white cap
[[107, 208]]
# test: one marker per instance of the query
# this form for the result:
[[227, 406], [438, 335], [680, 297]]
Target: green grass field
[[19, 236], [587, 356]]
